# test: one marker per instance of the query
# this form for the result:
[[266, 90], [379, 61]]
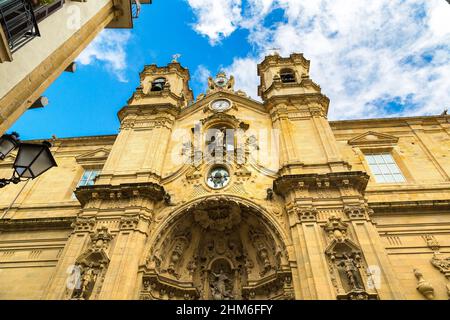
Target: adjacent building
[[225, 197], [39, 39]]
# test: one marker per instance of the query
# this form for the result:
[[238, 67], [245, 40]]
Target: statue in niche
[[261, 250], [177, 252], [88, 276], [221, 286], [351, 270]]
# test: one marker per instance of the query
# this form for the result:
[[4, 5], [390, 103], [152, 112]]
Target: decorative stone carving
[[345, 263], [100, 239], [269, 195], [336, 229], [221, 284], [167, 199], [218, 217], [307, 214], [290, 183], [220, 83], [84, 224], [432, 243], [442, 263], [424, 287], [129, 222], [202, 256], [350, 266], [90, 267], [355, 212], [259, 242], [124, 192]]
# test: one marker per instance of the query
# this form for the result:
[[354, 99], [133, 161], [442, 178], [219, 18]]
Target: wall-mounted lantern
[[31, 161]]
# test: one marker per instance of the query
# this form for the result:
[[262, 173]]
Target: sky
[[373, 59]]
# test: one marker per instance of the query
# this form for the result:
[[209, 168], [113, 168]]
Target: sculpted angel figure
[[219, 286]]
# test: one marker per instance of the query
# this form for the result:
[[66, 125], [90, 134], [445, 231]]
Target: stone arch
[[230, 250]]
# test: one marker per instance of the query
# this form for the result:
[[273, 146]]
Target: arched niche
[[218, 249]]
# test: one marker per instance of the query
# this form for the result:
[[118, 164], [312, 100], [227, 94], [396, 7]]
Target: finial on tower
[[274, 51], [175, 57]]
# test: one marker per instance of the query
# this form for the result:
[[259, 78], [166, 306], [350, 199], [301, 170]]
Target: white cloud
[[201, 76], [244, 72], [362, 53], [109, 50], [216, 19]]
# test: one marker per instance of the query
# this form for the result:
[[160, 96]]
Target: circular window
[[218, 178]]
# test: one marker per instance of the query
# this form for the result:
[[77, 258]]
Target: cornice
[[388, 122], [305, 84], [148, 109], [304, 99], [149, 190], [153, 69], [407, 206], [36, 224], [286, 183]]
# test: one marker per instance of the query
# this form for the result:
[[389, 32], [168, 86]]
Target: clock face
[[218, 178], [221, 105]]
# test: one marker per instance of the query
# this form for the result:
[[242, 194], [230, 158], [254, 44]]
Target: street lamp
[[31, 161], [8, 142]]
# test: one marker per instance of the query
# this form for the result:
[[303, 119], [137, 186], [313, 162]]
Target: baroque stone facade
[[224, 197]]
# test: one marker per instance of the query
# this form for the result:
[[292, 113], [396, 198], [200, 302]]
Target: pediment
[[98, 155], [238, 98], [373, 138], [337, 247], [93, 258]]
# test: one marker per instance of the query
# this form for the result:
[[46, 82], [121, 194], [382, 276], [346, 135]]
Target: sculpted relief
[[218, 250]]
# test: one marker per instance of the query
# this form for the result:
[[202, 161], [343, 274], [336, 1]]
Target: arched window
[[158, 84], [287, 76]]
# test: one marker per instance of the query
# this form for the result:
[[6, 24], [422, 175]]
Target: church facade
[[223, 197]]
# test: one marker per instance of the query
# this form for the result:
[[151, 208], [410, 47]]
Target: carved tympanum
[[218, 249]]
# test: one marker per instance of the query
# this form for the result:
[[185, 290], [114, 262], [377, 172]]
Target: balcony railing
[[42, 11], [18, 22]]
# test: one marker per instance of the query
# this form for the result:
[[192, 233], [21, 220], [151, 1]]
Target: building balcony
[[19, 22]]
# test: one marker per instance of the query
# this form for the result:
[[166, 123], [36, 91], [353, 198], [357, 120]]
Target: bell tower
[[299, 111], [317, 185], [278, 73], [167, 84], [146, 123]]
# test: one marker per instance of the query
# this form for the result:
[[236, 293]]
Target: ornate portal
[[218, 250]]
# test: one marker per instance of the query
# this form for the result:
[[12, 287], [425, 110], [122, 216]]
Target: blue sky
[[372, 58]]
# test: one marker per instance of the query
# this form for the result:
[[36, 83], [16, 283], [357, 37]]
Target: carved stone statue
[[177, 253], [219, 286], [88, 277], [350, 267]]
